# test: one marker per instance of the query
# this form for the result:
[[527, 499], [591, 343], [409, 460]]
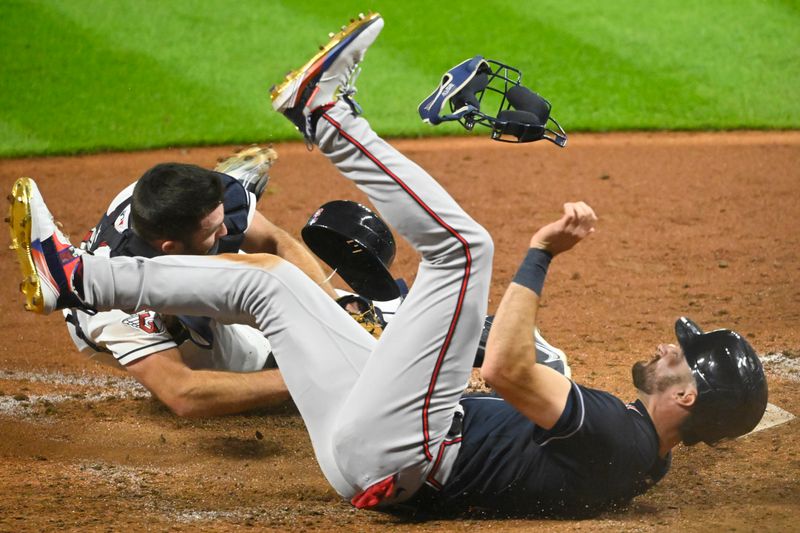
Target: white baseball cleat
[[47, 259], [327, 76], [250, 167], [546, 353]]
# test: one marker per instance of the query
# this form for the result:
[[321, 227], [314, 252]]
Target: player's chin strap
[[523, 115]]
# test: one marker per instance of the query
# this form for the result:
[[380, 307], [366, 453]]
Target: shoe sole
[[296, 80], [247, 158], [20, 222]]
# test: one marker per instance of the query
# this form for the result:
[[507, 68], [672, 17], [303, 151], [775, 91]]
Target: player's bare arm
[[265, 237], [538, 392], [195, 393]]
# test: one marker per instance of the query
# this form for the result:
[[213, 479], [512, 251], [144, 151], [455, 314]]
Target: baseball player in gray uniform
[[377, 434], [385, 416]]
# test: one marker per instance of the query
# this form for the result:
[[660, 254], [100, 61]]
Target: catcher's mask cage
[[353, 240], [522, 115], [731, 386]]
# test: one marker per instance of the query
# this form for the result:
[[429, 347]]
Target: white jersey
[[118, 338]]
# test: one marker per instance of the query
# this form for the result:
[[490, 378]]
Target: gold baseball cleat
[[19, 221], [313, 65]]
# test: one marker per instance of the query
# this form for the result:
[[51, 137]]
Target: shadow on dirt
[[242, 448]]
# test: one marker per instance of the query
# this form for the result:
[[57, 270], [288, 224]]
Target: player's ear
[[171, 247], [685, 397]]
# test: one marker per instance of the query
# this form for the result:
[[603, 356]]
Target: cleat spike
[[297, 95]]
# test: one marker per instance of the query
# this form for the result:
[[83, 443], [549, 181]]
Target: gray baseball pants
[[375, 410]]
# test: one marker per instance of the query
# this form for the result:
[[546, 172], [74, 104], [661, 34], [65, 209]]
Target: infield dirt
[[701, 224]]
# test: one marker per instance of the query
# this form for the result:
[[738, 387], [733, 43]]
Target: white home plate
[[786, 366], [773, 416]]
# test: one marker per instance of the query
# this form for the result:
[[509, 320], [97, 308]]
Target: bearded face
[[666, 368], [644, 379]]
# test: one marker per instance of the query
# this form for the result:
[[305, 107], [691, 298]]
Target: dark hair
[[171, 199]]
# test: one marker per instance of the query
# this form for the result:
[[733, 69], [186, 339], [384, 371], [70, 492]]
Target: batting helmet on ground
[[352, 239], [731, 386]]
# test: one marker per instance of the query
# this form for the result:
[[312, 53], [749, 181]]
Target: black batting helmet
[[731, 386], [352, 239]]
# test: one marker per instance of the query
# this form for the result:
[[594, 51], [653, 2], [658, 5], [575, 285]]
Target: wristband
[[533, 270]]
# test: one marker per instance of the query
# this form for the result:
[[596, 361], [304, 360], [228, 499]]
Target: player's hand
[[559, 236]]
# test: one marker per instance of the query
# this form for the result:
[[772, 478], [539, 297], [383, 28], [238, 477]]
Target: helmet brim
[[356, 265], [354, 241]]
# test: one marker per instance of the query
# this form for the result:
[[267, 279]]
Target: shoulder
[[116, 216], [589, 413], [613, 424], [123, 196]]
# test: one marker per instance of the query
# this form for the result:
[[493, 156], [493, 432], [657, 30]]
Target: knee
[[469, 240], [477, 244], [481, 246], [352, 450]]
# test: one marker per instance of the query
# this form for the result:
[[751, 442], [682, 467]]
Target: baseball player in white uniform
[[194, 365], [119, 339]]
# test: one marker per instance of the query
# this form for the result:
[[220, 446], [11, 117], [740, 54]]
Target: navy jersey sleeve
[[571, 419], [589, 414]]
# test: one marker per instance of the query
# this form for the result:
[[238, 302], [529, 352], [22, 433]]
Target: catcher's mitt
[[364, 312], [250, 167]]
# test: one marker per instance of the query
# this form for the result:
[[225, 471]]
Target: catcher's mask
[[521, 116], [352, 239], [731, 386]]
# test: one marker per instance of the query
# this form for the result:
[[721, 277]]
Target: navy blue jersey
[[600, 454]]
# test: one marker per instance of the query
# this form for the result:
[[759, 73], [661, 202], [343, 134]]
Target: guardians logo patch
[[147, 321], [121, 223]]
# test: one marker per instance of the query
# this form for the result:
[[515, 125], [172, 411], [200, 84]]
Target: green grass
[[89, 75]]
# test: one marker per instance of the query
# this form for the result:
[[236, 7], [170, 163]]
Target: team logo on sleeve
[[146, 321], [121, 223]]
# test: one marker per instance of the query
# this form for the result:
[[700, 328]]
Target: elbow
[[497, 380], [490, 373], [182, 403], [504, 369], [496, 375], [182, 408]]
